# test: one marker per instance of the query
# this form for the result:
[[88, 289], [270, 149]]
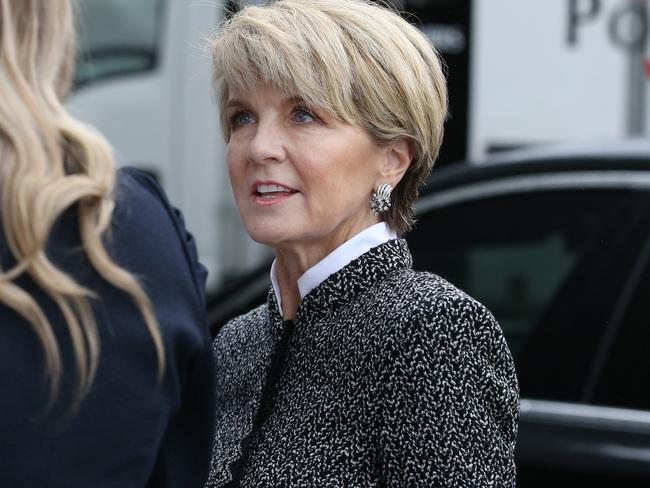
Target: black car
[[556, 243]]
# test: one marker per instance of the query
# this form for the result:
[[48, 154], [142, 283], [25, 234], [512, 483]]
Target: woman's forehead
[[264, 93]]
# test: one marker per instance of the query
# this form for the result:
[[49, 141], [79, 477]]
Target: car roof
[[623, 155]]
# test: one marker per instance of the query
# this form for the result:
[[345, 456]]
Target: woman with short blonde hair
[[101, 301], [358, 371]]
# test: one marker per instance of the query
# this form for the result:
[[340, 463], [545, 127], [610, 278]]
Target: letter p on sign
[[580, 13]]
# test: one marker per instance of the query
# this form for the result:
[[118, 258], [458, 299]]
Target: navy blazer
[[129, 431]]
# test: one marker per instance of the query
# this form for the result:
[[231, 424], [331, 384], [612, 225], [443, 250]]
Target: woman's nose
[[267, 144]]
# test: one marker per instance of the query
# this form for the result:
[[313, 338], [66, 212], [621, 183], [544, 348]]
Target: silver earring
[[380, 201]]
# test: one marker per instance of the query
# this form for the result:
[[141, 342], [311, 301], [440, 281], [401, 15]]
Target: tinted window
[[625, 381], [116, 37], [548, 265]]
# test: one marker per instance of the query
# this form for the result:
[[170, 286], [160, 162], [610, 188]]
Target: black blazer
[[128, 432], [387, 378]]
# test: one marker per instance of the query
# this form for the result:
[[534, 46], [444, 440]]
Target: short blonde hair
[[361, 62]]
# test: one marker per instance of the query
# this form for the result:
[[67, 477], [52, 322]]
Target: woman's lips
[[266, 193], [271, 198]]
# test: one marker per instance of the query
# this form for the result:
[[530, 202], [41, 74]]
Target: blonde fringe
[[50, 162]]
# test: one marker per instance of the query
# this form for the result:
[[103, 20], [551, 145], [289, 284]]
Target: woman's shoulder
[[139, 195], [426, 305], [433, 325], [425, 292], [245, 330], [154, 230]]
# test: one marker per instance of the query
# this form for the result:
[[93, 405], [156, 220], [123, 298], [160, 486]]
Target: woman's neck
[[294, 260], [288, 270]]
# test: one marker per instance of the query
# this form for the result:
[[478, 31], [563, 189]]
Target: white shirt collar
[[340, 257]]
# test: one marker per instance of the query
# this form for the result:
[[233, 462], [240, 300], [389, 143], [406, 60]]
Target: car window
[[625, 381], [545, 264], [116, 37]]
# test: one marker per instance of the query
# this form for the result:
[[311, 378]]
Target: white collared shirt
[[340, 257]]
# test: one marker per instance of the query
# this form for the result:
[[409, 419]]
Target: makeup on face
[[299, 176]]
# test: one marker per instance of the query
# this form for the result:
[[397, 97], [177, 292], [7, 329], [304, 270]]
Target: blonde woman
[[358, 371], [105, 365]]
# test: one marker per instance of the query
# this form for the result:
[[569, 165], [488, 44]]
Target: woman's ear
[[399, 155]]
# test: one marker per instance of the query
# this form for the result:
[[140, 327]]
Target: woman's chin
[[269, 236]]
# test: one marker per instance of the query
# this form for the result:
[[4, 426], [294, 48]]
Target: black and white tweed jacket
[[388, 377]]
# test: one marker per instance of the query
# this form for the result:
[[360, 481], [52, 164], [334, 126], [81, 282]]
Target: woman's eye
[[240, 119], [302, 116]]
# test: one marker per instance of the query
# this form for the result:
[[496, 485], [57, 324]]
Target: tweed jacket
[[388, 377]]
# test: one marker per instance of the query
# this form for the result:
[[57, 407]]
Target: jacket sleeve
[[451, 400], [198, 271], [183, 454]]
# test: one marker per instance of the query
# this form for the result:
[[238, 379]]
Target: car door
[[552, 256]]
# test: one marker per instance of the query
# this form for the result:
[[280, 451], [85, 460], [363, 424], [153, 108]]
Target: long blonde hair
[[50, 162]]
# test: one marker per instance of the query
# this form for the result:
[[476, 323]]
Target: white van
[[144, 79]]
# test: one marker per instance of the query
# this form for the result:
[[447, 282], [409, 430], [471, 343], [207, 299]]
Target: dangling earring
[[380, 201]]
